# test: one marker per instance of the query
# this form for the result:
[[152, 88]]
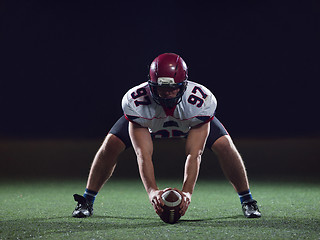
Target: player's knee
[[113, 144], [223, 144]]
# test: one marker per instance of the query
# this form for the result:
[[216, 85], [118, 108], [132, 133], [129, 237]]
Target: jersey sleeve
[[130, 111], [204, 107]]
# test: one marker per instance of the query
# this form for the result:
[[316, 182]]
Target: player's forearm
[[194, 148], [191, 173], [146, 171], [143, 147]]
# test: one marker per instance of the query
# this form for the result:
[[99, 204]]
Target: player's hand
[[186, 200], [156, 200]]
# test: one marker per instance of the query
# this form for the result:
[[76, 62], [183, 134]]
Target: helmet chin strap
[[169, 103]]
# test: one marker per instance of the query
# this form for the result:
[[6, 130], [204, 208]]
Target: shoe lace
[[79, 206], [252, 206], [85, 206]]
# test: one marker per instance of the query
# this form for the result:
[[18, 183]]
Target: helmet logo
[[165, 80]]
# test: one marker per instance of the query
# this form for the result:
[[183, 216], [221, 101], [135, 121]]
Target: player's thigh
[[217, 130], [112, 145], [223, 144], [120, 131]]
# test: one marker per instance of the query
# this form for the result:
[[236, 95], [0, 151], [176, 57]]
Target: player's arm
[[194, 148], [143, 147]]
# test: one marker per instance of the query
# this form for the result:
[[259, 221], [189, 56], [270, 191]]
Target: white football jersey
[[197, 106]]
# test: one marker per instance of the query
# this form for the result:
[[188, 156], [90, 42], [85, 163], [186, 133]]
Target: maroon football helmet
[[168, 70]]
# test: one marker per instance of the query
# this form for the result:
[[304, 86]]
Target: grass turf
[[42, 210]]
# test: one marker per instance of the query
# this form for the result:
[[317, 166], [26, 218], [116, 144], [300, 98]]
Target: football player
[[168, 105]]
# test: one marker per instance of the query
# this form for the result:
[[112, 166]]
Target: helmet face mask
[[168, 71], [167, 102]]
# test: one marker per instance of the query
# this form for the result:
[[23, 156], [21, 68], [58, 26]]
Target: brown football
[[171, 208]]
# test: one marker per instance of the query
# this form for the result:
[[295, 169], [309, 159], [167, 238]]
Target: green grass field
[[42, 210]]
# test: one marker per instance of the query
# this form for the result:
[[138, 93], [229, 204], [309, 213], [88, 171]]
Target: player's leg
[[231, 163], [103, 166], [104, 162], [232, 166]]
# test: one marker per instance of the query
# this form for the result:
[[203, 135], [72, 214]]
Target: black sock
[[90, 195], [246, 195]]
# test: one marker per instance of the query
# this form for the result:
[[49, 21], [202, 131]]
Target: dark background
[[65, 65]]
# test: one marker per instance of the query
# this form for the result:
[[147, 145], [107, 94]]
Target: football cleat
[[83, 208], [250, 209]]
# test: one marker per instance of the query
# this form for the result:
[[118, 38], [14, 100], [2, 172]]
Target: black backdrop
[[65, 65]]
